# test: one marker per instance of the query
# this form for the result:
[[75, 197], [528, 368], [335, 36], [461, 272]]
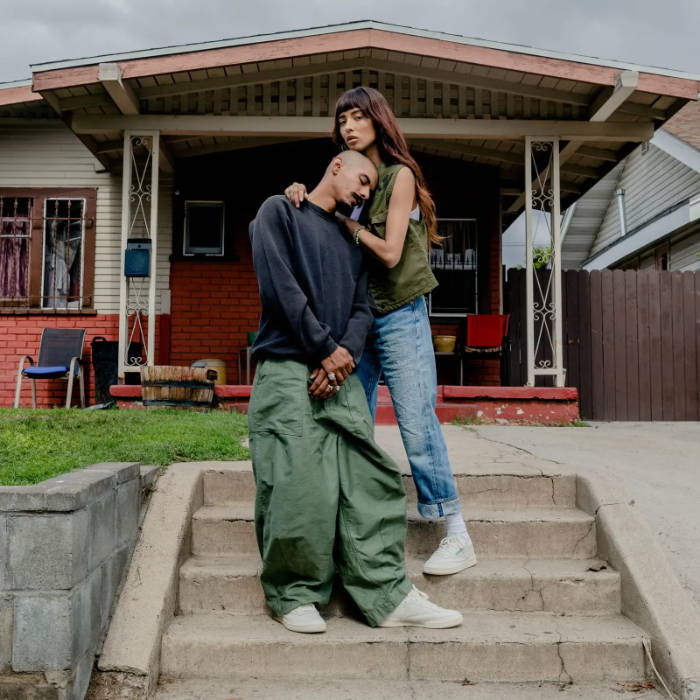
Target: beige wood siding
[[653, 182], [685, 253], [50, 155]]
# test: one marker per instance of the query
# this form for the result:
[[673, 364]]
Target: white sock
[[457, 526]]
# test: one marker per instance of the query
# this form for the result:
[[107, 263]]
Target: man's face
[[354, 182]]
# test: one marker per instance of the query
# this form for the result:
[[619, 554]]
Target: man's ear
[[336, 165]]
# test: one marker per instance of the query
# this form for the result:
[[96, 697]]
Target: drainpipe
[[620, 194]]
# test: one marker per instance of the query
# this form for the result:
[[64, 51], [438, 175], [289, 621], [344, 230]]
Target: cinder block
[[128, 508], [4, 554], [47, 552], [6, 617], [86, 602], [114, 571], [23, 498], [77, 489], [42, 639], [123, 471], [102, 527]]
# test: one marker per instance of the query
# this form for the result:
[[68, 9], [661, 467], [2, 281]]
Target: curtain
[[14, 259]]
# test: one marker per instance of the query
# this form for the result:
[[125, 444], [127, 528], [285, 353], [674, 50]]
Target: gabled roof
[[356, 26]]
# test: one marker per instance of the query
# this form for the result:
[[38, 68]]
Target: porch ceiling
[[479, 97]]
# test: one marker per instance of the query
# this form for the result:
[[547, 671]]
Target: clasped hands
[[327, 379]]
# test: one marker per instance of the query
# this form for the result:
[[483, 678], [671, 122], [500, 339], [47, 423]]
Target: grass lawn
[[36, 445]]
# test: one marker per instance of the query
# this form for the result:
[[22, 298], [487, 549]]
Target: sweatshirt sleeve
[[360, 319], [280, 293]]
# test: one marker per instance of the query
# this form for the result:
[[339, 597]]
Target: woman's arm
[[390, 248]]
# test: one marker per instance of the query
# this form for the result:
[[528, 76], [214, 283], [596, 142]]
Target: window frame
[[474, 269], [221, 204], [33, 303]]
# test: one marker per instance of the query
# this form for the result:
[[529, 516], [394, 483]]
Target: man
[[321, 480]]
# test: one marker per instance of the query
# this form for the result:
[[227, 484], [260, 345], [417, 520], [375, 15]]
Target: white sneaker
[[304, 619], [415, 610], [454, 554]]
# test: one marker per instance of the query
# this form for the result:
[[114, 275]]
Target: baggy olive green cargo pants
[[319, 476]]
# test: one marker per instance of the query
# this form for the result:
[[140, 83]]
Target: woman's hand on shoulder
[[296, 193]]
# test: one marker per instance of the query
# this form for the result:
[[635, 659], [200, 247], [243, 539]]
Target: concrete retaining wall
[[64, 545]]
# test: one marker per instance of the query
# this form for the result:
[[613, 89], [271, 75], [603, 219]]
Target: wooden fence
[[631, 341]]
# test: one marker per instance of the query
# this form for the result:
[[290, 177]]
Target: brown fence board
[[656, 380], [643, 346], [608, 311], [666, 305], [619, 344], [598, 385], [631, 345], [585, 381], [691, 330], [572, 324], [678, 357]]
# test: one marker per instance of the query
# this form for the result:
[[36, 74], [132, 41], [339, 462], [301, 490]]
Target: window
[[204, 228], [47, 244], [455, 265]]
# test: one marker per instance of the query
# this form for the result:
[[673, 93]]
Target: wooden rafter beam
[[364, 63], [122, 94], [498, 156], [214, 125], [86, 139], [610, 99]]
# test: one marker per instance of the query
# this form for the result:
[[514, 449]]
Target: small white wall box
[[137, 257]]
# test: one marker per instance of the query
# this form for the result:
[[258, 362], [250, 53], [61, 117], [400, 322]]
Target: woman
[[400, 226]]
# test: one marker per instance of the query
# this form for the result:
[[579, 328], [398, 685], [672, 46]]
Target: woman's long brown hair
[[391, 143]]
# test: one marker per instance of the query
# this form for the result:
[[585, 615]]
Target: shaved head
[[353, 159]]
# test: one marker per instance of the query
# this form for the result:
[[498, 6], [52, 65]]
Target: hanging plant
[[541, 256]]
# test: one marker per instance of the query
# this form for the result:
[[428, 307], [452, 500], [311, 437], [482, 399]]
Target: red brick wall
[[20, 335], [214, 306]]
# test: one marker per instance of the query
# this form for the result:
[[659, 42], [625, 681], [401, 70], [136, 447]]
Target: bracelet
[[357, 234]]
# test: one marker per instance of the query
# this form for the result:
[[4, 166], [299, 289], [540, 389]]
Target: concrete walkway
[[657, 463]]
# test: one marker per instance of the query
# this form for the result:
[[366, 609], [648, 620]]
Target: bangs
[[357, 98]]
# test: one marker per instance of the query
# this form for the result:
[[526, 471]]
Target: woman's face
[[356, 129]]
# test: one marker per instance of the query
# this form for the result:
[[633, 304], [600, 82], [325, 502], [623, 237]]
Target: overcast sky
[[648, 32]]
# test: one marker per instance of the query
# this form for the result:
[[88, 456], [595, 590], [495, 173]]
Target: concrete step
[[527, 533], [566, 587], [489, 646], [514, 487], [222, 689]]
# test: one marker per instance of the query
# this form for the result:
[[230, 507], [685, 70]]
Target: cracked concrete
[[657, 463]]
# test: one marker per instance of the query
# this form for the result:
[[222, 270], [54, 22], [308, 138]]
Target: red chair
[[486, 335]]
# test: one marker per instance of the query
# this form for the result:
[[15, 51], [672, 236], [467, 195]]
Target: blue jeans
[[400, 347]]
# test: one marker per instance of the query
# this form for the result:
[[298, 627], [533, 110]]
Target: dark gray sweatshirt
[[312, 281]]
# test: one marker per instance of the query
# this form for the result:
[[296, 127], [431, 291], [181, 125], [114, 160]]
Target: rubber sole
[[445, 571]]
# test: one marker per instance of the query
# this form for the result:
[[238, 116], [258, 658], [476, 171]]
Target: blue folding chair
[[60, 357]]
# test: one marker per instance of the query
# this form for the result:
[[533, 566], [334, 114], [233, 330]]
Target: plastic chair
[[486, 334], [60, 357]]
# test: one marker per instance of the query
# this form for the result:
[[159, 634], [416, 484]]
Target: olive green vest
[[394, 287]]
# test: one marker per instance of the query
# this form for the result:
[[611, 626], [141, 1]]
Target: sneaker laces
[[447, 541]]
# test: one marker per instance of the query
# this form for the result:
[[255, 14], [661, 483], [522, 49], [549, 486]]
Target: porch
[[196, 137]]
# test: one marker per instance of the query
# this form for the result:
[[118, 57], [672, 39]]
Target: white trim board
[[677, 148]]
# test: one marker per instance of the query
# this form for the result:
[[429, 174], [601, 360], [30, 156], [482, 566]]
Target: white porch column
[[137, 295], [543, 298]]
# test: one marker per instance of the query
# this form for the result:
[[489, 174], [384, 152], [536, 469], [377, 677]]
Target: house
[[645, 213], [127, 181]]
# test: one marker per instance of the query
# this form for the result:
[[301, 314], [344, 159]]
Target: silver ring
[[331, 376], [337, 387]]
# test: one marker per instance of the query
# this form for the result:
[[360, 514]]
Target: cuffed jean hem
[[433, 511], [391, 602]]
